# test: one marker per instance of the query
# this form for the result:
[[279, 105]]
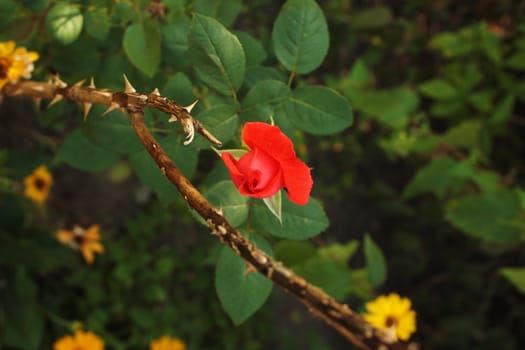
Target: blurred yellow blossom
[[38, 184], [393, 314], [167, 343], [87, 241], [79, 341], [15, 63]]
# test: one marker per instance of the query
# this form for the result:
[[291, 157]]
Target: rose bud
[[271, 164]]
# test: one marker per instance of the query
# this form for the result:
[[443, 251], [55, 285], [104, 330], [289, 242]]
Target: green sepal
[[274, 203]]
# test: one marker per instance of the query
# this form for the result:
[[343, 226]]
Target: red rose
[[271, 164]]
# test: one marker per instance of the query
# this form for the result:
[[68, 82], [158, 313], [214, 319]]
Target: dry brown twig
[[337, 315]]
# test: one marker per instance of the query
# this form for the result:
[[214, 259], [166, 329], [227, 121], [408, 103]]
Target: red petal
[[230, 162], [297, 181], [255, 174], [260, 171], [269, 139], [272, 188]]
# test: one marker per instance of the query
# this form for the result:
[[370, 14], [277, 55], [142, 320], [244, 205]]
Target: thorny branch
[[337, 315]]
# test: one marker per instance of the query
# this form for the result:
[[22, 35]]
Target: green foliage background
[[422, 194]]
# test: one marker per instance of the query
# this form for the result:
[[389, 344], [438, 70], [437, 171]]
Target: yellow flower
[[393, 314], [87, 241], [38, 184], [167, 343], [15, 63], [79, 341]]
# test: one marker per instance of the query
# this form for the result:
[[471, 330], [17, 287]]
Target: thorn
[[187, 126], [172, 119], [80, 82], [55, 99], [18, 91], [112, 107], [190, 107], [58, 82], [128, 87], [156, 92], [249, 269], [87, 108], [92, 83], [123, 111]]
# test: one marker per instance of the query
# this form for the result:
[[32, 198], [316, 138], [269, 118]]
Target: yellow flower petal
[[64, 236], [93, 233], [85, 240], [79, 341], [15, 63], [393, 314], [37, 185], [167, 343], [7, 48]]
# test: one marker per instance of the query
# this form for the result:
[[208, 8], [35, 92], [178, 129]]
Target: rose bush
[[271, 164]]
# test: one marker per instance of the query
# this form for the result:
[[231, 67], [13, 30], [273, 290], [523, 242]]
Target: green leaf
[[358, 78], [319, 110], [373, 17], [150, 174], [255, 74], [8, 13], [113, 133], [225, 196], [253, 49], [447, 108], [275, 205], [64, 22], [486, 180], [25, 326], [141, 44], [221, 121], [465, 134], [225, 11], [66, 60], [266, 98], [341, 253], [489, 215], [375, 262], [503, 110], [359, 284], [472, 77], [34, 5], [111, 69], [122, 13], [434, 177], [175, 40], [521, 195], [97, 22], [180, 89], [329, 275], [82, 154], [300, 36], [216, 54], [299, 222], [516, 61], [454, 44], [293, 253], [489, 42], [516, 276], [392, 107], [438, 89], [482, 100], [241, 292]]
